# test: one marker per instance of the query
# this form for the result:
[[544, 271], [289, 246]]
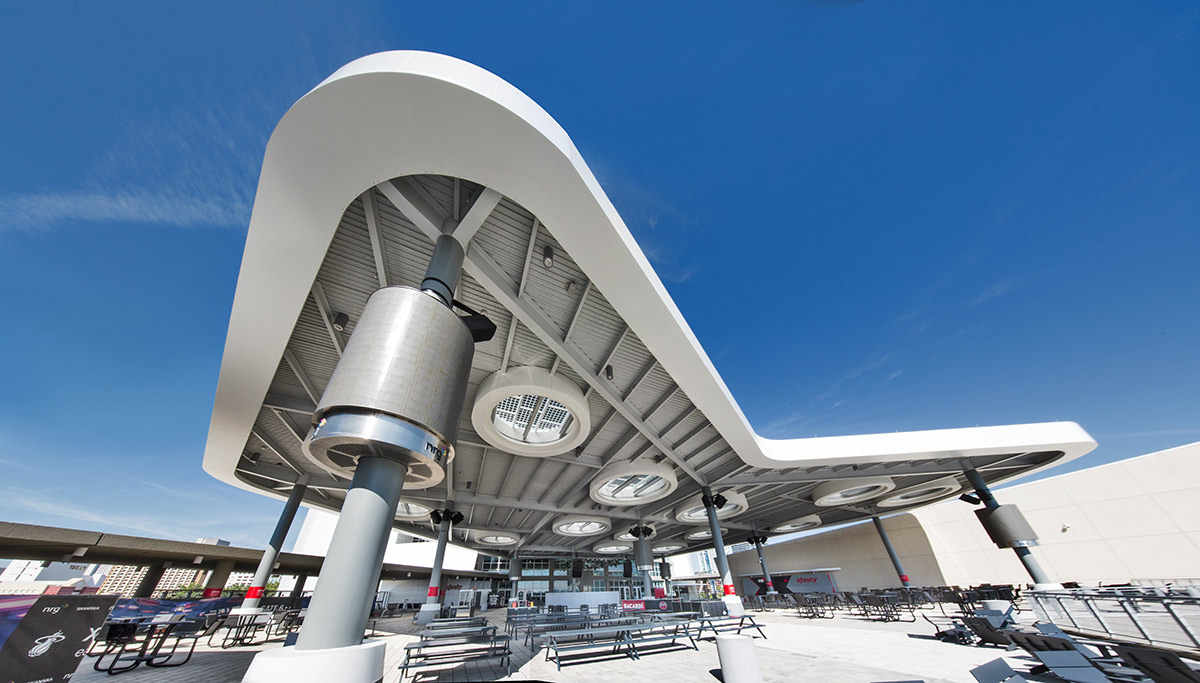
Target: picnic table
[[533, 631], [456, 650], [616, 637], [726, 623]]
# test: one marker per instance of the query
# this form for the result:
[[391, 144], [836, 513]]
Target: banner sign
[[44, 637], [633, 605], [805, 582], [191, 609]]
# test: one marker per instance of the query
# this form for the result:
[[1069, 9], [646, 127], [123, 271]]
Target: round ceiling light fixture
[[667, 547], [612, 547], [624, 536], [632, 483], [496, 538], [581, 525], [703, 534], [528, 411], [922, 492], [846, 491], [410, 510], [798, 524], [692, 511]]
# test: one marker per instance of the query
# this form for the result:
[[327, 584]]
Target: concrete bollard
[[739, 661]]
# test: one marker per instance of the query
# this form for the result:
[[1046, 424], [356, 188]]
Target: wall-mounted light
[[340, 321], [436, 516], [608, 372], [719, 501], [548, 256], [968, 498]]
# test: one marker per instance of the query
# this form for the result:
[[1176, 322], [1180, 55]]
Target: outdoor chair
[[189, 631], [986, 632], [1069, 660], [996, 618], [117, 639], [950, 630], [997, 671], [1161, 666], [216, 626]]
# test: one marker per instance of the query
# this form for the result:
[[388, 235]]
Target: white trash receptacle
[[739, 661]]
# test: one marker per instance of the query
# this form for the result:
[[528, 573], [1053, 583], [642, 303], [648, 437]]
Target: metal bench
[[457, 631], [456, 650], [661, 631], [572, 640]]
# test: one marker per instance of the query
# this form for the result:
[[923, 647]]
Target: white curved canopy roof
[[360, 177]]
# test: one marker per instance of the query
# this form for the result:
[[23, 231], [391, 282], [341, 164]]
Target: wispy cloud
[[190, 167], [998, 290], [48, 210], [53, 507], [871, 364], [56, 507]]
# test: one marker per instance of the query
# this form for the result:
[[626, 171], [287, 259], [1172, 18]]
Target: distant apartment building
[[124, 579]]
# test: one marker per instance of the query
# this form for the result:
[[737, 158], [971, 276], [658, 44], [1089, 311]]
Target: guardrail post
[[1187, 628], [1087, 602], [1123, 602]]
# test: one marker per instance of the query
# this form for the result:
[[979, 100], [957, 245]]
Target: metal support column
[[298, 591], [887, 544], [1024, 554], [149, 582], [730, 596], [337, 614], [431, 608], [762, 562], [645, 565], [218, 578], [267, 564]]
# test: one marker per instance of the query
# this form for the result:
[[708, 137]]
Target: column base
[[353, 664], [428, 612], [733, 603]]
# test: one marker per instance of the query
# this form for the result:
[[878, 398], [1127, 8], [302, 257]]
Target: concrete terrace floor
[[845, 649]]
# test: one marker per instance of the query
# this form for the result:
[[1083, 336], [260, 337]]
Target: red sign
[[904, 578], [663, 606], [433, 591], [729, 589], [253, 592], [633, 605]]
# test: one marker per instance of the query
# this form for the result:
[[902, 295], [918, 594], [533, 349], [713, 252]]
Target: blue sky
[[875, 216]]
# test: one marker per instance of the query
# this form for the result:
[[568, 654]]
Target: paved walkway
[[846, 649]]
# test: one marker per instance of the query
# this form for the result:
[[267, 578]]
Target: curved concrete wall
[[1136, 519], [857, 552], [1132, 520]]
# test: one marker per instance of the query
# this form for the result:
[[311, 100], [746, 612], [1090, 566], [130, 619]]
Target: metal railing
[[1165, 617]]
